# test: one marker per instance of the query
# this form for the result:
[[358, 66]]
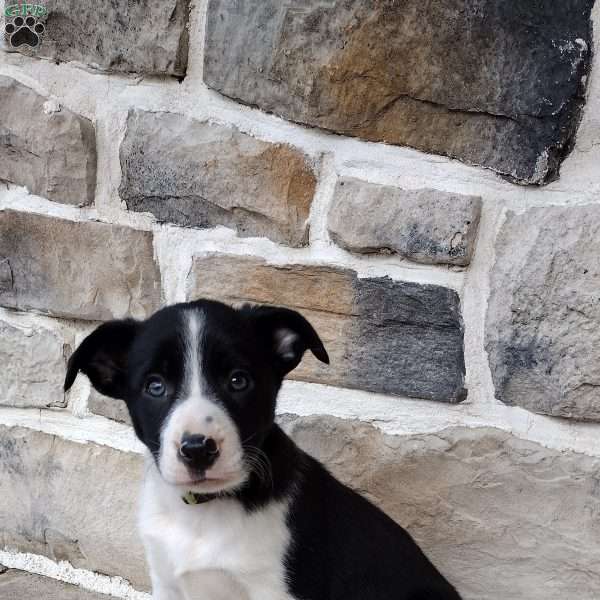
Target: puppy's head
[[200, 381]]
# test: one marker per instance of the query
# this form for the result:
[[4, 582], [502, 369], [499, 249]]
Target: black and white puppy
[[231, 507]]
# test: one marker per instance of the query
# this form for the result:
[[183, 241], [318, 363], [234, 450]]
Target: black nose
[[198, 451]]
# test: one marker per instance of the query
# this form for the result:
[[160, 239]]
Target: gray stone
[[45, 147], [543, 318], [426, 226], [382, 335], [82, 270], [20, 585], [499, 516], [34, 364], [108, 407], [71, 501], [118, 35], [497, 84], [199, 174]]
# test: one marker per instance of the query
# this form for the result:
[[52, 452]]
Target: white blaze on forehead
[[193, 383]]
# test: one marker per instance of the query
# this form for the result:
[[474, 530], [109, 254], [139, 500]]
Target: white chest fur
[[213, 550]]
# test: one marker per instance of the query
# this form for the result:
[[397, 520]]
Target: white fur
[[211, 551]]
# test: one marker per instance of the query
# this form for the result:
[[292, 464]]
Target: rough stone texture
[[426, 226], [501, 517], [119, 35], [381, 335], [200, 174], [481, 503], [34, 364], [498, 84], [79, 270], [45, 147], [20, 585], [543, 320], [56, 500], [108, 407]]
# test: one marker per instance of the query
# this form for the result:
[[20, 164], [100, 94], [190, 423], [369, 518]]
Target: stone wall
[[420, 179]]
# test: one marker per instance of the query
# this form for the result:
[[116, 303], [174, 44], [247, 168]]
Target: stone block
[[34, 367], [71, 501], [199, 174], [117, 35], [425, 226], [384, 336], [496, 84], [45, 147], [543, 317], [80, 270]]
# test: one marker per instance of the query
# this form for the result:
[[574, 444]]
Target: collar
[[193, 498]]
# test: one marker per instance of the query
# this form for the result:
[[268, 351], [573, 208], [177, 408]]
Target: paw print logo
[[24, 31]]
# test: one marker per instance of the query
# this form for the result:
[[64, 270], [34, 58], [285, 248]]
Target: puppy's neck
[[276, 469]]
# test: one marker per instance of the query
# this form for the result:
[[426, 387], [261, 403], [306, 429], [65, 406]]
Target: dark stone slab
[[382, 335], [199, 174], [543, 318], [497, 84], [117, 35], [45, 147], [407, 340]]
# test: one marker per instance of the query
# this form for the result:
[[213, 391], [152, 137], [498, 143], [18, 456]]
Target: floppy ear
[[102, 356], [288, 334]]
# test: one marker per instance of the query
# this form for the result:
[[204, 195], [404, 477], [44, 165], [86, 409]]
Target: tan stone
[[34, 364], [324, 295], [71, 501], [313, 287], [82, 270]]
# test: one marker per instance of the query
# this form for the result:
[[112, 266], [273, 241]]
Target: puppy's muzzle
[[198, 451]]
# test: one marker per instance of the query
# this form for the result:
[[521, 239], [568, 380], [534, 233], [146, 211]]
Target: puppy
[[231, 508]]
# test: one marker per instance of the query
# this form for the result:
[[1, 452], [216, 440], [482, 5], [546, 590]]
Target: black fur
[[342, 546]]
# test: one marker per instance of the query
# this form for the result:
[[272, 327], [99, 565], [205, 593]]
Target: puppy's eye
[[155, 386], [239, 381]]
